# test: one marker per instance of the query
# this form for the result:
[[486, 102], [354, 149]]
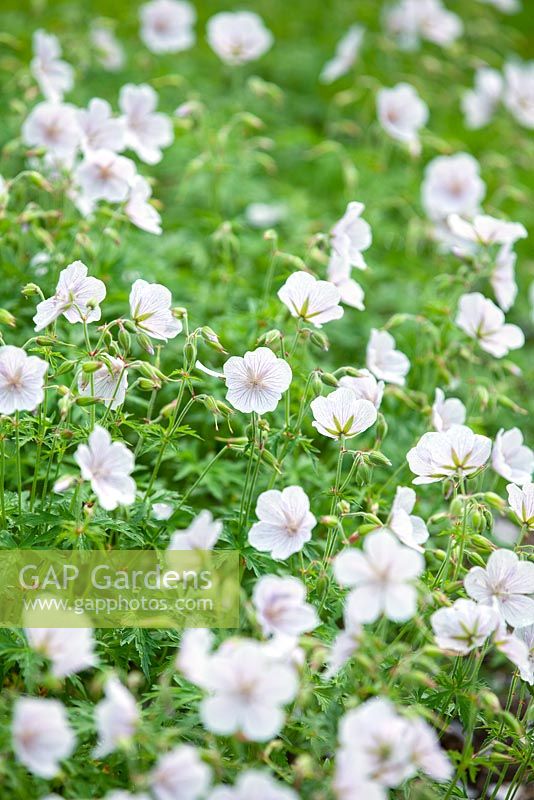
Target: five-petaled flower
[[341, 413], [311, 300], [456, 452], [257, 381]]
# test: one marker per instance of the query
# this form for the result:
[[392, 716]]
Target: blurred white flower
[[503, 278], [70, 650], [455, 452], [350, 781], [257, 381], [344, 645], [54, 76], [479, 104], [21, 380], [526, 635], [150, 308], [109, 50], [167, 25], [139, 210], [339, 272], [412, 20], [180, 774], [116, 717], [347, 51], [486, 230], [518, 94], [365, 386], [253, 785], [238, 37], [202, 534], [98, 129], [77, 297], [447, 412], [341, 413], [402, 113], [482, 320], [358, 235], [511, 458], [521, 502], [407, 527], [310, 299], [108, 466], [281, 606], [384, 361], [109, 382], [515, 649], [162, 511], [464, 626], [426, 753], [285, 522], [194, 655], [104, 175], [381, 578], [54, 127], [452, 185], [265, 215], [42, 736], [508, 6], [146, 131], [503, 584]]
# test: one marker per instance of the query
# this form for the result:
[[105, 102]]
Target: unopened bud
[[7, 318], [30, 289], [86, 401], [494, 500], [329, 380], [125, 340], [270, 337], [91, 366], [330, 521], [319, 340], [378, 459], [145, 343]]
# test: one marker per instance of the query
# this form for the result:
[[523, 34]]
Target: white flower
[[486, 230], [511, 458], [508, 6], [77, 297], [347, 51], [42, 736], [358, 233], [162, 511], [365, 386], [202, 534], [194, 656], [482, 320], [384, 361], [455, 452], [402, 113], [425, 751], [526, 635], [139, 210], [341, 413], [312, 300], [98, 129], [247, 691], [116, 718], [109, 383], [238, 37], [381, 578], [54, 76], [281, 606], [518, 95], [54, 127], [104, 175], [146, 131], [180, 774], [150, 307], [515, 649], [503, 585], [21, 380], [503, 278], [446, 413], [464, 626], [339, 272], [109, 50], [479, 104], [344, 645], [521, 502], [257, 381], [411, 20], [253, 785], [265, 215], [108, 466], [285, 522], [407, 527], [167, 25], [350, 781], [452, 185], [70, 650]]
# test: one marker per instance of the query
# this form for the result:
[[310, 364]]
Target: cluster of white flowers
[[514, 87]]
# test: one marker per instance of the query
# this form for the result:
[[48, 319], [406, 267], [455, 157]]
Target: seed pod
[[329, 380], [86, 401], [147, 385], [7, 318], [494, 500], [329, 520], [319, 340], [145, 343], [91, 366], [125, 340], [378, 459], [381, 428], [65, 367], [481, 543]]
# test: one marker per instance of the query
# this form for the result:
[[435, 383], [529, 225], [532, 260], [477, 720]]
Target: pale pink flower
[[365, 386], [253, 785], [310, 299], [238, 37], [202, 534], [521, 502], [257, 381], [455, 452], [167, 25], [511, 458], [98, 129], [70, 650], [77, 298], [384, 361], [484, 321], [180, 774], [54, 127], [426, 753], [285, 522], [447, 412], [464, 626], [21, 380], [452, 185], [104, 175], [194, 656], [54, 76], [402, 113], [486, 230], [504, 585], [109, 383], [150, 307], [139, 210], [358, 233], [347, 51], [518, 94], [107, 465], [281, 606], [146, 131], [117, 718], [341, 413], [42, 736], [344, 645]]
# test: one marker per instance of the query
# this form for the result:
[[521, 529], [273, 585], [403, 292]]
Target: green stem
[[2, 480], [200, 478], [19, 468]]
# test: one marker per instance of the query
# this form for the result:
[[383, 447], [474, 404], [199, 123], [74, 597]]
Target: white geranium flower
[[344, 645], [281, 606], [202, 534], [503, 278], [486, 230], [285, 522], [162, 511], [167, 25], [452, 185], [426, 753], [253, 785], [381, 577], [384, 361], [339, 273], [482, 320], [455, 452], [194, 656], [238, 37], [146, 131], [511, 458], [412, 20], [150, 308], [109, 50], [21, 380], [365, 386], [312, 300], [407, 527], [503, 585], [347, 51], [54, 127], [139, 210], [358, 233], [70, 650], [447, 412], [77, 297], [42, 736], [54, 76], [464, 626], [518, 94], [402, 113], [109, 383], [247, 692], [180, 774], [257, 381], [117, 718], [265, 215], [479, 104], [98, 129], [108, 466], [104, 175], [341, 413], [526, 635], [521, 502], [515, 649], [350, 781]]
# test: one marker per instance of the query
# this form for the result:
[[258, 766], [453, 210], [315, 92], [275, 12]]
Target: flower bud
[[91, 366], [376, 458], [148, 385], [329, 380], [319, 340], [125, 340], [30, 289], [381, 428], [7, 318], [65, 367], [86, 401], [494, 500], [145, 343], [330, 521], [211, 339], [270, 337], [481, 543]]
